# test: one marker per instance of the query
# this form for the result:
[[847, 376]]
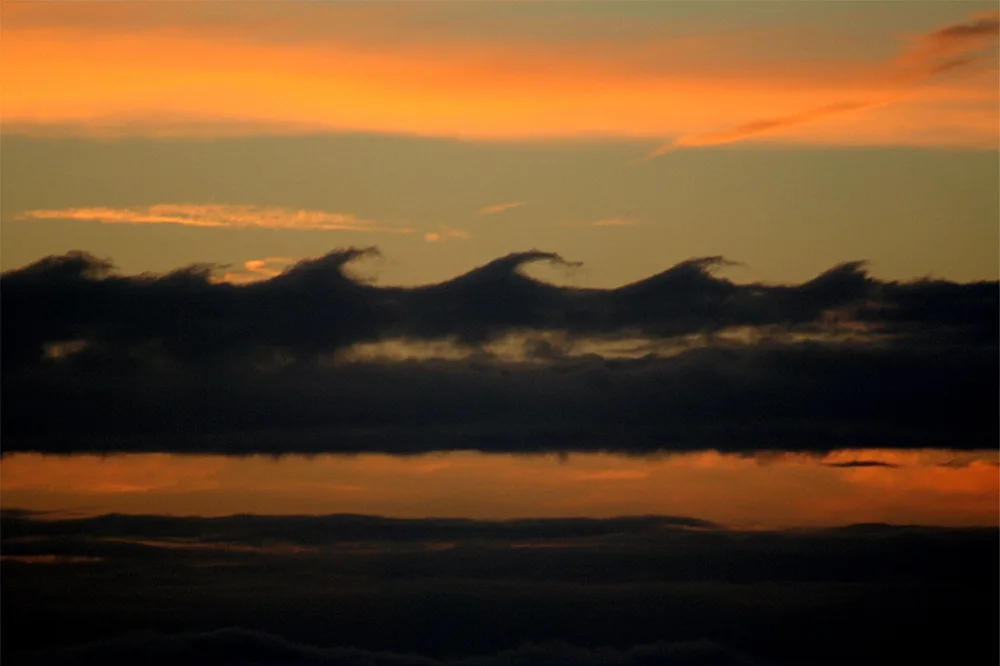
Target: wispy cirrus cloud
[[217, 216], [614, 222], [932, 54], [757, 127], [950, 47], [499, 208]]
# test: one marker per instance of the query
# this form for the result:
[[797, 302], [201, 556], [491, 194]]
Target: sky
[[454, 333], [627, 136]]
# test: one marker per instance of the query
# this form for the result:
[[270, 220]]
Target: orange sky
[[84, 72], [926, 487]]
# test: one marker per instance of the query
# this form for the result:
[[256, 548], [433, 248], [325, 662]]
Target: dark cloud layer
[[801, 397], [629, 548], [334, 529], [180, 363], [363, 589], [241, 647]]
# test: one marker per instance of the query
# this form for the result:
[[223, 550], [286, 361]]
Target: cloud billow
[[181, 362], [316, 307]]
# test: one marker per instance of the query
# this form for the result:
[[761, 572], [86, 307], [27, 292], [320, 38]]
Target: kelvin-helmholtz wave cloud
[[683, 360]]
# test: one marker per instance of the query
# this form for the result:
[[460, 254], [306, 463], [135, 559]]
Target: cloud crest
[[181, 362], [316, 307]]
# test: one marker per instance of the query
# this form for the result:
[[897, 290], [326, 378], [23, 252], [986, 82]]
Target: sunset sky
[[656, 326], [789, 136]]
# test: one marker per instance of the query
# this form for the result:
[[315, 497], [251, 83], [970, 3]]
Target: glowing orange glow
[[915, 487], [99, 78], [255, 270], [50, 559]]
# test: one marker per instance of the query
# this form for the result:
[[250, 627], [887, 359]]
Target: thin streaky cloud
[[944, 50], [217, 216], [614, 222], [932, 50], [757, 127], [499, 208], [850, 464]]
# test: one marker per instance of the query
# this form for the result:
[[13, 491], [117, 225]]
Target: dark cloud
[[369, 588], [664, 548], [938, 311], [239, 646], [801, 397], [334, 529], [981, 25], [180, 363], [316, 307], [861, 463]]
